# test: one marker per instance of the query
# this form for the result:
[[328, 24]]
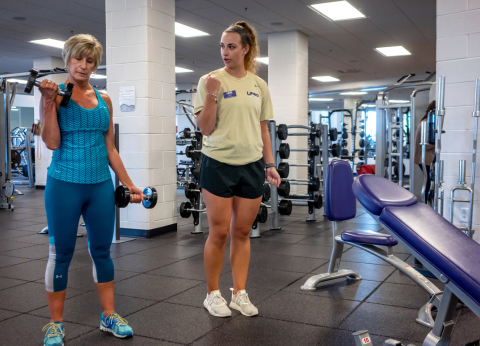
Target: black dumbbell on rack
[[284, 151], [32, 81], [122, 197], [186, 209]]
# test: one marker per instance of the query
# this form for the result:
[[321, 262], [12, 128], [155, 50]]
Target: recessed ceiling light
[[20, 19], [182, 70], [186, 31], [49, 42], [374, 89], [326, 79], [338, 10], [19, 81], [319, 99], [393, 51], [263, 60], [354, 93], [98, 76], [398, 101]]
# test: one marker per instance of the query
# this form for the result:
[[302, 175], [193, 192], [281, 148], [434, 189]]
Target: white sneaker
[[216, 305], [241, 303]]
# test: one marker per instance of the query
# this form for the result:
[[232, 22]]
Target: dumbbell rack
[[195, 206], [313, 200]]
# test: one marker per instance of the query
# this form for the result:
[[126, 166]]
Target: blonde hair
[[248, 35], [81, 45]]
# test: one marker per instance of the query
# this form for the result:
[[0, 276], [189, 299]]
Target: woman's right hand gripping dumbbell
[[49, 90]]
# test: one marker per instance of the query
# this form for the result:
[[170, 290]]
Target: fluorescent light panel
[[398, 101], [50, 42], [338, 10], [263, 60], [182, 70], [326, 79], [186, 31], [319, 99], [393, 51], [354, 93], [19, 81]]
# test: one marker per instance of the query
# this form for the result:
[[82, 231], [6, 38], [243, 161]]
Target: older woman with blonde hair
[[79, 184]]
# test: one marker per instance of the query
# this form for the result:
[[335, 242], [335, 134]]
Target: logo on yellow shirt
[[252, 94]]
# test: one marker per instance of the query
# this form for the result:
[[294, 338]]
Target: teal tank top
[[82, 155]]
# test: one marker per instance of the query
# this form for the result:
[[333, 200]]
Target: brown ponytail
[[431, 107], [248, 36]]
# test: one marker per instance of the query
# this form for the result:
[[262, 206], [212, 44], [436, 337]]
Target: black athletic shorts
[[226, 180]]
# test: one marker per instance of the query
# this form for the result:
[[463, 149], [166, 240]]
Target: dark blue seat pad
[[376, 193], [369, 237], [453, 253]]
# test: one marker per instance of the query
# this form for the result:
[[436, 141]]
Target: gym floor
[[160, 287]]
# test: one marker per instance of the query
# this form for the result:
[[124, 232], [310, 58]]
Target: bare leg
[[244, 214], [219, 212], [56, 302], [107, 297]]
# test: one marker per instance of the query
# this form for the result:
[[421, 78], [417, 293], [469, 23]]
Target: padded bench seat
[[449, 250], [369, 237], [375, 193]]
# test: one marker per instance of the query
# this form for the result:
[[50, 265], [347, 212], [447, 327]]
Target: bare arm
[[115, 160], [271, 173], [207, 117], [49, 104], [267, 144]]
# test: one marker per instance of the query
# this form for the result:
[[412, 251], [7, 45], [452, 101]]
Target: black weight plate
[[335, 150], [361, 153], [122, 196], [344, 143], [283, 169], [262, 214], [284, 189], [189, 193], [318, 201], [189, 151], [187, 133], [344, 152], [361, 143], [315, 151], [284, 150], [361, 134], [183, 212], [285, 207], [333, 133], [282, 132], [344, 134]]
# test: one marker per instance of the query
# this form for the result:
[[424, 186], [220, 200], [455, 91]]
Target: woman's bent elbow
[[52, 145]]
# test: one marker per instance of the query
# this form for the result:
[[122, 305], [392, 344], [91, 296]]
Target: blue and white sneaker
[[54, 334], [116, 325]]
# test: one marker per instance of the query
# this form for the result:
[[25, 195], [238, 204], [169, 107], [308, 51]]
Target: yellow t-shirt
[[242, 104]]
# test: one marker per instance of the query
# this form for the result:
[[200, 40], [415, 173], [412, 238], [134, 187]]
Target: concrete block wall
[[288, 85], [141, 52], [458, 59]]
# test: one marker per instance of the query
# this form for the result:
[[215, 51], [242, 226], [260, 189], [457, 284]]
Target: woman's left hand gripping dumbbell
[[136, 195]]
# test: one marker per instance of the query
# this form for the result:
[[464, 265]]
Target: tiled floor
[[160, 287]]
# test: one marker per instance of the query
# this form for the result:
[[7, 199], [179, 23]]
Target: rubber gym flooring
[[160, 288]]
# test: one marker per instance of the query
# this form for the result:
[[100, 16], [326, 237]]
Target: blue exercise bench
[[449, 254], [341, 205]]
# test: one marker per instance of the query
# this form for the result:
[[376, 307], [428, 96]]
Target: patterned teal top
[[82, 155]]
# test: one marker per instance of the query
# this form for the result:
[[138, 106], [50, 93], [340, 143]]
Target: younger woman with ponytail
[[233, 107]]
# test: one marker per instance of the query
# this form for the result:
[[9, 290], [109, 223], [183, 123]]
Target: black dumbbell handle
[[60, 91]]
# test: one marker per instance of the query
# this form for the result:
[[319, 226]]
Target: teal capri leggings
[[64, 203]]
